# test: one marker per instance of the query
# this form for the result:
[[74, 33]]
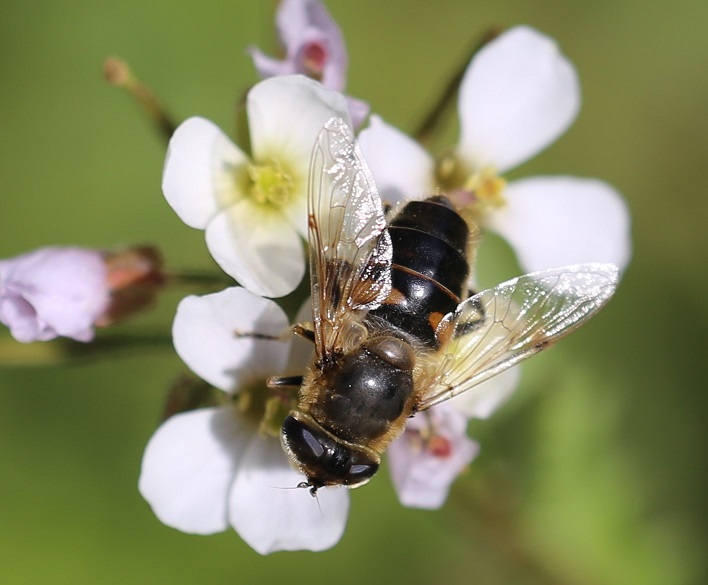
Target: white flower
[[254, 210], [53, 292], [314, 46], [212, 468], [518, 95]]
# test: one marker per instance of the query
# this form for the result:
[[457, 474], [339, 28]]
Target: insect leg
[[284, 336], [304, 330], [284, 381]]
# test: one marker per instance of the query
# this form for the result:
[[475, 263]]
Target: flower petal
[[269, 67], [296, 210], [53, 292], [401, 168], [188, 467], [292, 20], [358, 111], [204, 335], [484, 399], [303, 23], [423, 469], [270, 515], [518, 95], [555, 221], [260, 249], [285, 115], [199, 170]]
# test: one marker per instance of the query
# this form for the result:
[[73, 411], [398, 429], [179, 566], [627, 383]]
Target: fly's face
[[323, 458]]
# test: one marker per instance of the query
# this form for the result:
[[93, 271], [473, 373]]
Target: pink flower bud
[[313, 46], [65, 292], [134, 276], [53, 292]]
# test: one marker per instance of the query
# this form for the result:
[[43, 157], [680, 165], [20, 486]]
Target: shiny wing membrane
[[497, 328], [350, 248]]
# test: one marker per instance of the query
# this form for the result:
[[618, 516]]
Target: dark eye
[[315, 449], [305, 446], [360, 473], [323, 458]]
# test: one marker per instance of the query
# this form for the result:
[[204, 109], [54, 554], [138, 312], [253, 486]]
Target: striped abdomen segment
[[430, 267]]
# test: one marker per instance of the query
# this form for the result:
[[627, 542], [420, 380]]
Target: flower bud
[[65, 292], [134, 276], [53, 292]]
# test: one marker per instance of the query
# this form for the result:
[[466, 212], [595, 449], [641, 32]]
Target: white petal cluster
[[253, 209], [212, 468], [519, 94]]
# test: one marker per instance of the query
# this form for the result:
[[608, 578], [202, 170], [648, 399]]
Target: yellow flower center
[[270, 183], [268, 407], [475, 192], [487, 188]]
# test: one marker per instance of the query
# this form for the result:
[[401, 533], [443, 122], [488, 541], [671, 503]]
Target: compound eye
[[304, 444], [319, 454], [324, 460], [359, 474]]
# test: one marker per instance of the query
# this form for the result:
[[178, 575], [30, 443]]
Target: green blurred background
[[594, 473]]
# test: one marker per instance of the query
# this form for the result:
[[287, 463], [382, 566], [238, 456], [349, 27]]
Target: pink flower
[[66, 292], [314, 47], [53, 292], [428, 457]]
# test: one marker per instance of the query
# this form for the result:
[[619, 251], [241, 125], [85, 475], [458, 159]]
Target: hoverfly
[[393, 333]]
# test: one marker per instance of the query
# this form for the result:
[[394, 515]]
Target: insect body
[[393, 334], [429, 269]]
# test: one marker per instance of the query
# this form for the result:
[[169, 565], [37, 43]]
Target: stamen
[[267, 407], [244, 400], [486, 187], [275, 410], [270, 183], [427, 439], [475, 193]]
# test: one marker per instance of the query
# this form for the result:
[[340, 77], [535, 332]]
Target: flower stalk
[[441, 107], [119, 74]]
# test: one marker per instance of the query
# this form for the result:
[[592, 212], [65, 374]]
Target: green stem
[[65, 351], [118, 73], [431, 122], [198, 278]]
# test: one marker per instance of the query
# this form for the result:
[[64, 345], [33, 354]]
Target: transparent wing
[[499, 327], [350, 248]]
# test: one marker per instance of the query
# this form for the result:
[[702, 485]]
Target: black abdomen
[[430, 267]]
